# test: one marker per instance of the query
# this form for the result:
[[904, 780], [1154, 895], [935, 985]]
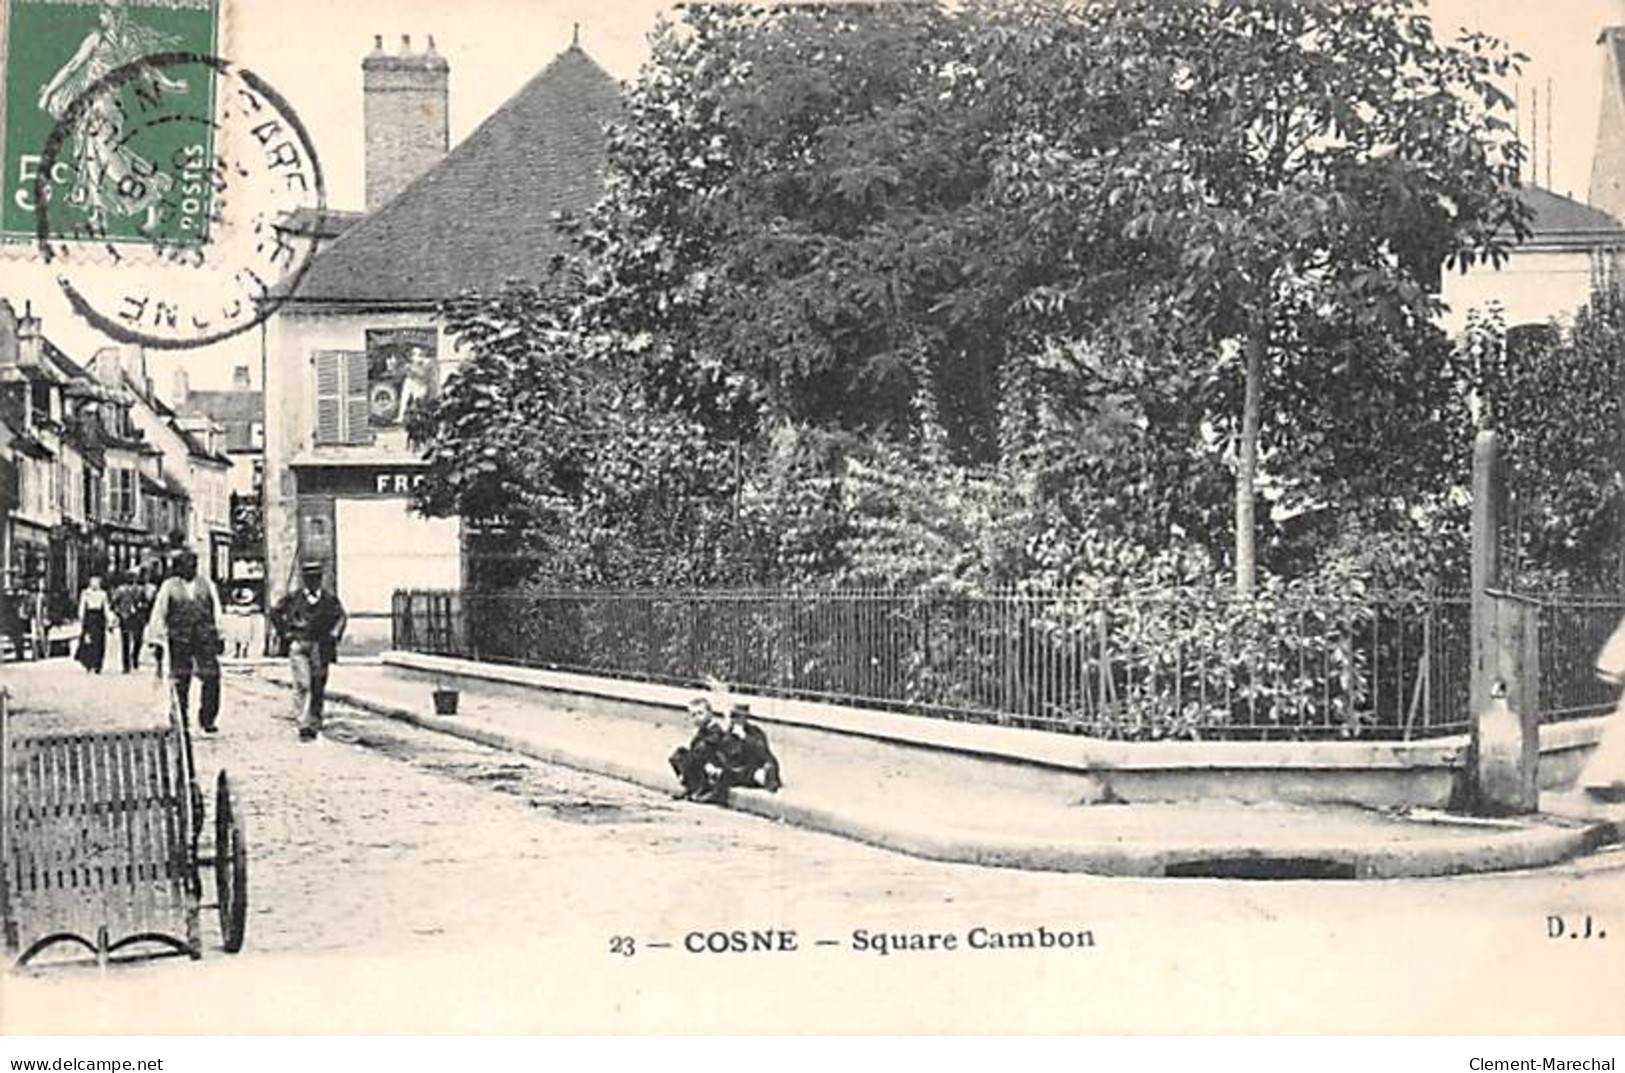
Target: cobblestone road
[[389, 839]]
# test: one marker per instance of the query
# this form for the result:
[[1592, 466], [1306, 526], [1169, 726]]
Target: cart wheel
[[230, 867]]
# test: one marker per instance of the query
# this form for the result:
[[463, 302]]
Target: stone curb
[[1550, 841]]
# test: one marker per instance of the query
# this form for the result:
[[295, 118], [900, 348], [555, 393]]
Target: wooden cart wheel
[[230, 867]]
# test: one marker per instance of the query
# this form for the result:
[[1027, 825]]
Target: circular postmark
[[180, 201]]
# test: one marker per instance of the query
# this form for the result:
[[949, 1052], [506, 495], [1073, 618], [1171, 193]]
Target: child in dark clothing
[[726, 751]]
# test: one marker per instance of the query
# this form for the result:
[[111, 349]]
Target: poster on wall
[[401, 370]]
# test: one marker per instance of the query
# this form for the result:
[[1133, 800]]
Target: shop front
[[357, 520]]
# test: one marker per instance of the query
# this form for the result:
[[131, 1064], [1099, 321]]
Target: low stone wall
[[1371, 773]]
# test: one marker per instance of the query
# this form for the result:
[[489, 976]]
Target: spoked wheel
[[230, 867]]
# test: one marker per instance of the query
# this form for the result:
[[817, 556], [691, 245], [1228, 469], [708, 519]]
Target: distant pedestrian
[[39, 620], [132, 604], [244, 624], [310, 623], [14, 620], [184, 632], [93, 625]]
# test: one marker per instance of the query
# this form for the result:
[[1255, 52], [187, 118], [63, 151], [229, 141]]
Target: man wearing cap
[[184, 634], [310, 622], [747, 758]]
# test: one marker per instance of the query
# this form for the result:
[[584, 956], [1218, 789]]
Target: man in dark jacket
[[132, 604], [747, 759], [309, 622]]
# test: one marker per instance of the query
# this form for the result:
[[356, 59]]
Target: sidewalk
[[871, 796]]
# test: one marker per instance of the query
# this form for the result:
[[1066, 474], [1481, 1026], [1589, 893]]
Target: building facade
[[84, 491], [1572, 250], [1575, 247], [194, 470], [234, 419], [349, 353]]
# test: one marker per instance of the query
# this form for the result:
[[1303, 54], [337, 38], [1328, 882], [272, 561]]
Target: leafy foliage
[[1554, 395], [1108, 297]]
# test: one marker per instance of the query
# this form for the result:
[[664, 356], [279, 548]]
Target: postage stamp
[[155, 178], [110, 181]]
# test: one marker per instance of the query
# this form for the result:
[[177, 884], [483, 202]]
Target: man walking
[[132, 604], [310, 622], [185, 628]]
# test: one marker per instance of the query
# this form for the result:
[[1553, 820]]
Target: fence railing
[[1177, 665], [1572, 630]]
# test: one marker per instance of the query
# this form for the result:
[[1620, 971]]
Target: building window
[[341, 397], [121, 494]]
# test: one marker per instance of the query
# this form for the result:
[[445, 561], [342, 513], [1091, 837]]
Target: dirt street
[[388, 842]]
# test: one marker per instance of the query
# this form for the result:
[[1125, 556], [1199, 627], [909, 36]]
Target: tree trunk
[[1247, 463]]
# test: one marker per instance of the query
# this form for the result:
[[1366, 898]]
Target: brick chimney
[[239, 378], [30, 340], [403, 99], [182, 387]]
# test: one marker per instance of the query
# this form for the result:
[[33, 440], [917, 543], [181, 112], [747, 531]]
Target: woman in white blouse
[[93, 626]]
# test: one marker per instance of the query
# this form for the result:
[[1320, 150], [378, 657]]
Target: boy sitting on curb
[[726, 751]]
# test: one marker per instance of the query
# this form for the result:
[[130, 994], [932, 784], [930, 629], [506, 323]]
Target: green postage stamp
[[132, 144], [91, 90]]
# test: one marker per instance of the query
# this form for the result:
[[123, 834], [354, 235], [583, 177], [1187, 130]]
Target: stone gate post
[[1503, 754]]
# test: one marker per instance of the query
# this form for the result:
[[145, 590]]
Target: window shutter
[[329, 396], [356, 406]]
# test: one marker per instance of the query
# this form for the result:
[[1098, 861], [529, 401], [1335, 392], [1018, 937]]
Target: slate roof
[[483, 214], [1562, 221], [225, 405], [236, 410], [194, 448], [69, 368]]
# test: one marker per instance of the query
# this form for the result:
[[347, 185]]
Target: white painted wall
[[1533, 287], [382, 546]]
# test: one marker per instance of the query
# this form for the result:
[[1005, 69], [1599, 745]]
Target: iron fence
[[1572, 629], [1175, 665]]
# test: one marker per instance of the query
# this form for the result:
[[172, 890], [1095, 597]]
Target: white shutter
[[356, 406], [329, 396]]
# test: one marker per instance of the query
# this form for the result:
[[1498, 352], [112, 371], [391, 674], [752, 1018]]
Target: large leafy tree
[[542, 437], [1151, 263], [1296, 171], [793, 217]]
